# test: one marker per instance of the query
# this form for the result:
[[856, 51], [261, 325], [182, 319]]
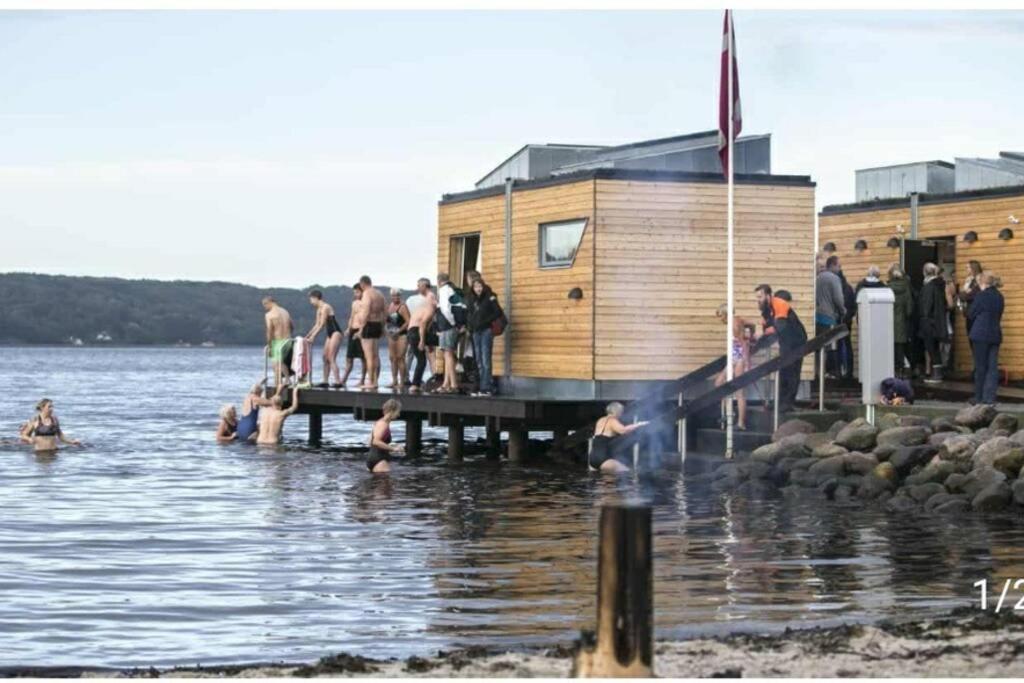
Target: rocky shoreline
[[946, 466], [965, 643]]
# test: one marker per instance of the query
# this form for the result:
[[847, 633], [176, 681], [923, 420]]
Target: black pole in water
[[413, 437], [316, 428], [625, 598]]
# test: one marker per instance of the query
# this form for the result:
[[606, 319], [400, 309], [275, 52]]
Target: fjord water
[[155, 546]]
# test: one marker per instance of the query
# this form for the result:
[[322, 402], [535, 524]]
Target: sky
[[298, 148]]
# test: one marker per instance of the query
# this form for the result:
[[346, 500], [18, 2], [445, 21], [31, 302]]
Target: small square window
[[560, 241]]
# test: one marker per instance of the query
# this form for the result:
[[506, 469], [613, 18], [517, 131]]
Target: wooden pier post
[[493, 441], [625, 599], [518, 442], [456, 435], [316, 428], [413, 437]]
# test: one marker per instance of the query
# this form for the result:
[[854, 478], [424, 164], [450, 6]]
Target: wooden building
[[948, 229], [611, 276]]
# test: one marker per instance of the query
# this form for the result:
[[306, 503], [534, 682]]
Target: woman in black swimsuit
[[397, 326], [606, 429], [381, 448], [325, 320], [43, 431]]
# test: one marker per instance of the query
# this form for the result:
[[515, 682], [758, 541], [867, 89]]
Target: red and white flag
[[728, 62]]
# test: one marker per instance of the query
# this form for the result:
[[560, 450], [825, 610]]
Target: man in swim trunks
[[421, 340], [354, 349], [273, 416], [373, 312], [279, 330]]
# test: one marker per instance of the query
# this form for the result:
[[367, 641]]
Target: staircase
[[709, 437]]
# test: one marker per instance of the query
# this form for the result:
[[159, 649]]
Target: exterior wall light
[[893, 243], [860, 246], [830, 247], [970, 237], [1006, 234], [575, 293]]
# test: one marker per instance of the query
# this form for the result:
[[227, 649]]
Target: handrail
[[717, 394], [667, 391]]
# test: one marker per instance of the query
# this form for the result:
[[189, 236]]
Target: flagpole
[[729, 375]]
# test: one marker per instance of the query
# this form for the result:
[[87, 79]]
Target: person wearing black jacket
[[483, 310], [933, 323], [986, 316], [779, 318], [846, 344]]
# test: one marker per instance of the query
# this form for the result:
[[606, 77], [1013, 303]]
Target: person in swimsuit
[[372, 312], [740, 359], [326, 321], [43, 431], [421, 338], [381, 448], [279, 330], [397, 326], [231, 427], [354, 350], [272, 424], [606, 429]]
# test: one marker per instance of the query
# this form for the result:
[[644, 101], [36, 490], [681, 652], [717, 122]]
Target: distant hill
[[54, 309]]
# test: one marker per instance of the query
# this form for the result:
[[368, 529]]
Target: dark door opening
[[463, 256], [942, 252]]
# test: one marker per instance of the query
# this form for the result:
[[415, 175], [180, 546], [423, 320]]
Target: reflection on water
[[156, 546]]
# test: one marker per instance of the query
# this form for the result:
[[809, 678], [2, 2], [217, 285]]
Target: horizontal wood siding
[[661, 261], [952, 219]]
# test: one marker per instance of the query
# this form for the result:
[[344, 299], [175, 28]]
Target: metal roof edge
[[923, 198], [938, 162]]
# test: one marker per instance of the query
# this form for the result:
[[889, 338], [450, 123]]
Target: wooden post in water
[[316, 428], [493, 441], [625, 599], [518, 441], [455, 438], [413, 437]]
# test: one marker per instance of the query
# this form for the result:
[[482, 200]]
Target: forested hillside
[[50, 309]]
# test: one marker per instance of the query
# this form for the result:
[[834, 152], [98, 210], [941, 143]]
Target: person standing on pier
[[354, 349], [372, 313], [422, 339], [397, 329], [447, 331], [484, 311], [413, 303], [740, 359], [279, 330], [933, 322], [902, 313], [381, 449], [831, 308], [779, 318], [325, 320], [986, 315]]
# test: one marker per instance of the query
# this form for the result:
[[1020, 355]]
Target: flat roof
[[630, 174], [924, 198], [936, 162]]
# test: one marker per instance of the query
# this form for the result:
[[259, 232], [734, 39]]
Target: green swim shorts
[[277, 349]]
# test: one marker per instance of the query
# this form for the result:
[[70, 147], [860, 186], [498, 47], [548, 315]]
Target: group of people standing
[[923, 320]]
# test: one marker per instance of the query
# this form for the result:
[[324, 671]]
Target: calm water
[[156, 546]]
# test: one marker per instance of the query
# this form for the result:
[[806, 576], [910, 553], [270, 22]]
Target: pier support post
[[316, 428], [518, 440], [455, 438], [493, 441], [561, 434], [625, 599], [413, 437]]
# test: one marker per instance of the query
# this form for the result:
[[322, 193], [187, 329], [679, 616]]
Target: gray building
[[940, 177], [981, 174]]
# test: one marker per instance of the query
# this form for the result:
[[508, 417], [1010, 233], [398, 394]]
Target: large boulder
[[976, 417], [980, 479], [959, 448], [873, 486], [824, 468], [907, 458], [1001, 453], [1018, 491], [884, 452], [768, 453], [923, 492], [995, 496], [943, 424], [939, 438], [827, 450], [916, 421], [1004, 421], [1018, 437], [887, 421], [903, 436], [759, 469], [986, 433], [791, 427], [885, 470], [935, 471], [954, 506], [954, 483], [859, 435], [900, 503], [941, 498], [859, 463], [836, 427]]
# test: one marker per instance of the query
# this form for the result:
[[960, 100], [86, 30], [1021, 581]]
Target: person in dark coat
[[933, 322], [986, 316], [483, 310], [846, 343], [902, 310], [778, 317]]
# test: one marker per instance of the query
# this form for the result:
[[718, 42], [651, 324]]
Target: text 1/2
[[1011, 589]]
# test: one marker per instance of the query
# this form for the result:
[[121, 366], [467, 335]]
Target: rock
[[887, 421], [988, 433], [939, 438], [885, 471], [802, 464], [768, 453], [976, 417], [959, 448], [859, 463], [793, 446], [903, 436], [827, 450], [1018, 491], [828, 487], [923, 492], [943, 424], [916, 421], [1018, 438], [836, 427], [955, 482], [1010, 463], [754, 488], [859, 435], [954, 506], [1004, 421], [933, 472], [905, 459], [900, 503], [1001, 453], [980, 479], [851, 481], [817, 439], [791, 427], [824, 468], [995, 496], [943, 498], [760, 469], [884, 452], [843, 493], [803, 478]]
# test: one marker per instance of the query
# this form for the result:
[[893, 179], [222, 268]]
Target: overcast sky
[[278, 148]]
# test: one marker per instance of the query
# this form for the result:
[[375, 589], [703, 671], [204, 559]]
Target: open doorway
[[463, 256], [942, 252]]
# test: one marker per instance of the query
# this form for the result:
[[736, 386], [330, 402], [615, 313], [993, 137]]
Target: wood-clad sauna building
[[945, 213], [610, 261]]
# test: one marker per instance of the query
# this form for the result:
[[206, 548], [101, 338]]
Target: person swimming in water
[[231, 427], [326, 321], [43, 431], [381, 448], [607, 428], [397, 327], [274, 415]]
